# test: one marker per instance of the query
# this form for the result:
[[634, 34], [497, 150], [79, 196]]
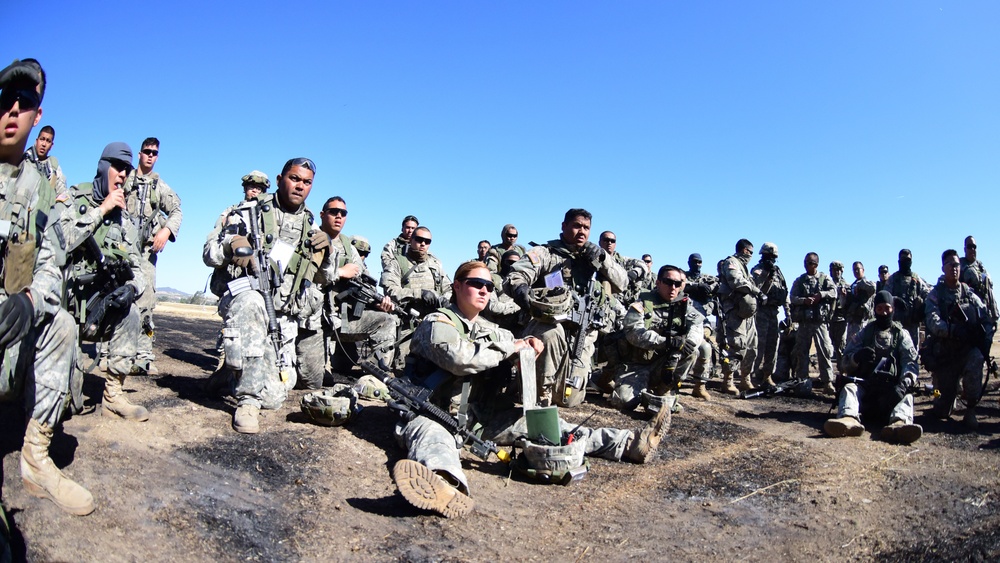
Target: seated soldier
[[881, 364], [461, 350]]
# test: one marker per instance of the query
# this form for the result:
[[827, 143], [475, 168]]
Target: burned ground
[[733, 480]]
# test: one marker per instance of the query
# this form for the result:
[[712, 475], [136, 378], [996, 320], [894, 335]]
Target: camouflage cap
[[361, 243], [256, 177], [769, 248], [837, 265]]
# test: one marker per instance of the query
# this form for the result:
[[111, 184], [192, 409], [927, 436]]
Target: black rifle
[[362, 290], [417, 400], [144, 225], [110, 275], [781, 388], [585, 314]]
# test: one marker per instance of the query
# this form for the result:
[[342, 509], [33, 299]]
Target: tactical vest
[[406, 268], [909, 293], [883, 348], [576, 271], [818, 312], [668, 319], [114, 249], [28, 220], [300, 264]]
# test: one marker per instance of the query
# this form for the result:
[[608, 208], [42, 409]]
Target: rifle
[[720, 331], [586, 314], [363, 291], [267, 280], [417, 400], [110, 275], [143, 225], [783, 387]]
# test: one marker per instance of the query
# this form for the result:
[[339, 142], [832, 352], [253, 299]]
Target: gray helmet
[[550, 304], [769, 248], [331, 407]]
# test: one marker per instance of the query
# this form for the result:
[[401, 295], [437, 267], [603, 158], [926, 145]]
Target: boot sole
[[424, 489], [38, 491]]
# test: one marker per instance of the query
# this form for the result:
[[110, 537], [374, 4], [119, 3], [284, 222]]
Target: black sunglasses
[[422, 240], [511, 235], [611, 240], [478, 283], [28, 98], [336, 211], [120, 165], [150, 152], [675, 283]]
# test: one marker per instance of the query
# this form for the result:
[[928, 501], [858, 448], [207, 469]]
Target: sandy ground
[[734, 480]]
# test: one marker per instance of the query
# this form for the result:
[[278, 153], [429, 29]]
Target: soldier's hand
[[122, 297], [348, 271], [429, 298], [593, 253], [16, 316], [114, 200], [520, 296], [386, 305], [160, 240], [677, 342], [864, 356], [237, 242], [319, 241]]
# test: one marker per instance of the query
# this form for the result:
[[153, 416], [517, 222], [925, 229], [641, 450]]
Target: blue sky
[[852, 129]]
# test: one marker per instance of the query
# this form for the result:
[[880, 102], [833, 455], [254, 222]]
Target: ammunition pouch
[[552, 464], [746, 306], [18, 265]]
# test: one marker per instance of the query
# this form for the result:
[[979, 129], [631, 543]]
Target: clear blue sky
[[849, 128]]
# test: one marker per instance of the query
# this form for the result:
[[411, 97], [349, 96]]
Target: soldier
[[665, 331], [883, 276], [417, 279], [881, 366], [482, 249], [739, 295], [570, 262], [636, 269], [104, 249], [156, 209], [47, 165], [462, 351], [398, 246], [702, 288], [838, 318], [374, 325], [859, 301], [36, 335], [974, 275], [363, 247], [260, 349], [959, 333], [508, 242], [812, 297], [254, 184], [649, 282], [768, 276], [910, 291]]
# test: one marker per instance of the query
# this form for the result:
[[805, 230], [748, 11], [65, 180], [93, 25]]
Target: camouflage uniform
[[162, 209], [859, 306], [497, 251], [736, 285], [654, 328], [838, 317], [974, 275], [37, 368], [248, 347], [766, 318], [912, 291], [812, 321], [955, 344], [893, 343], [405, 280], [49, 168], [468, 352], [575, 271]]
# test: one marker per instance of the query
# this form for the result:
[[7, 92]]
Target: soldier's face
[[483, 248], [420, 242], [251, 191], [19, 112], [835, 273], [43, 144], [408, 228], [117, 173], [609, 242], [473, 291], [951, 268], [812, 265], [294, 186], [970, 250], [670, 286], [859, 271], [576, 232], [148, 156], [334, 215]]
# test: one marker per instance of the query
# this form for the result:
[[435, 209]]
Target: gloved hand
[[593, 253], [520, 295], [430, 298], [864, 356], [319, 241], [237, 242], [16, 316], [677, 342], [122, 297]]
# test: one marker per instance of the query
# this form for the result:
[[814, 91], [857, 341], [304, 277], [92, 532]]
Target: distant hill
[[172, 295]]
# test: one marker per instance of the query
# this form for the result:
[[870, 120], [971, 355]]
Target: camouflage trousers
[[768, 331], [853, 327], [966, 369], [250, 352], [807, 334], [146, 303], [741, 338], [121, 351], [554, 363], [851, 396], [838, 338], [314, 348], [636, 377], [39, 367], [605, 443]]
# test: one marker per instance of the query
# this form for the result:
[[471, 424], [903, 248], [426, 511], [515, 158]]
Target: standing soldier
[[838, 317], [883, 276], [911, 292], [738, 296], [859, 302], [156, 209], [813, 294], [767, 275], [959, 333], [37, 337], [47, 165], [974, 275], [560, 271], [508, 242], [399, 246]]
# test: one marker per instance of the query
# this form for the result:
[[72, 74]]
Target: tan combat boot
[[644, 443], [745, 384], [425, 489], [902, 433], [43, 479], [843, 426], [245, 419], [115, 402], [700, 392], [727, 386]]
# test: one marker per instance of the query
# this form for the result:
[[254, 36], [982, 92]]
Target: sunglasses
[[150, 152], [421, 240], [120, 165], [674, 283], [611, 240], [28, 98], [511, 235], [336, 211], [478, 283], [648, 261], [303, 162]]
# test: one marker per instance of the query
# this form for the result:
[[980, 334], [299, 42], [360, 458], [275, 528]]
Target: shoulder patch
[[63, 197], [533, 257], [637, 306]]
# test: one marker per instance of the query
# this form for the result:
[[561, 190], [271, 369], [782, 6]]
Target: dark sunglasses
[[675, 283], [336, 211], [150, 152], [511, 235], [28, 98], [478, 283], [120, 165], [306, 163], [421, 240], [611, 240]]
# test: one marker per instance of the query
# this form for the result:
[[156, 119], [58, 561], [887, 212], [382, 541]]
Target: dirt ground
[[734, 480]]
